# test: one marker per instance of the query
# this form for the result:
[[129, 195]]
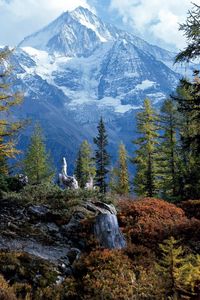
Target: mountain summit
[[76, 33], [79, 68], [80, 32]]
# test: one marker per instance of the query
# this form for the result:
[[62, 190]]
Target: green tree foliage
[[188, 99], [113, 177], [124, 187], [85, 168], [8, 100], [168, 151], [188, 106], [102, 157], [180, 272], [191, 29], [119, 177], [145, 182], [37, 163]]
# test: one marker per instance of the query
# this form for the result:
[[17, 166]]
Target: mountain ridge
[[77, 73]]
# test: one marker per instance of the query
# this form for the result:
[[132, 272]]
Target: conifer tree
[[188, 105], [145, 181], [113, 180], [188, 99], [85, 168], [8, 100], [168, 151], [180, 272], [123, 187], [78, 167], [191, 29], [37, 163], [169, 264], [102, 157]]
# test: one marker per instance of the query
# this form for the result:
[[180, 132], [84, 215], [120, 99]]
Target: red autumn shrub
[[148, 221], [191, 208]]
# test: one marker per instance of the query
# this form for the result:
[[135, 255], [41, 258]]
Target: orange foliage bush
[[149, 221], [140, 255], [106, 275], [111, 275]]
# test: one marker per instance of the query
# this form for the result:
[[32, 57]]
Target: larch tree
[[169, 160], [8, 100], [145, 181], [180, 272], [37, 162], [85, 164], [102, 158], [123, 186], [113, 180]]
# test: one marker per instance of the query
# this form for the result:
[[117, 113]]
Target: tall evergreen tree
[[85, 165], [168, 151], [8, 100], [119, 177], [145, 181], [191, 29], [37, 163], [123, 186], [188, 99], [189, 131], [113, 180], [102, 157]]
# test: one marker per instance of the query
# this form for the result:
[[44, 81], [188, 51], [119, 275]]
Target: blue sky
[[154, 20]]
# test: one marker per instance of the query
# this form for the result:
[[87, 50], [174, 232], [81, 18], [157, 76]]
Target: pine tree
[[191, 29], [101, 157], [188, 102], [168, 151], [85, 168], [188, 105], [8, 100], [145, 181], [37, 163], [123, 187]]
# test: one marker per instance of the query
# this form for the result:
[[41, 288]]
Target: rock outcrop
[[51, 235]]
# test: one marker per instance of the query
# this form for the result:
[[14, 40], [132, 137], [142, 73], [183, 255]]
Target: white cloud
[[19, 18], [156, 20]]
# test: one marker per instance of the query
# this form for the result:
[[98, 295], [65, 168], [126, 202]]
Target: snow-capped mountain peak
[[91, 21], [76, 33], [79, 68]]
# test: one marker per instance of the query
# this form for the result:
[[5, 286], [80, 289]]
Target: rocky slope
[[60, 231]]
